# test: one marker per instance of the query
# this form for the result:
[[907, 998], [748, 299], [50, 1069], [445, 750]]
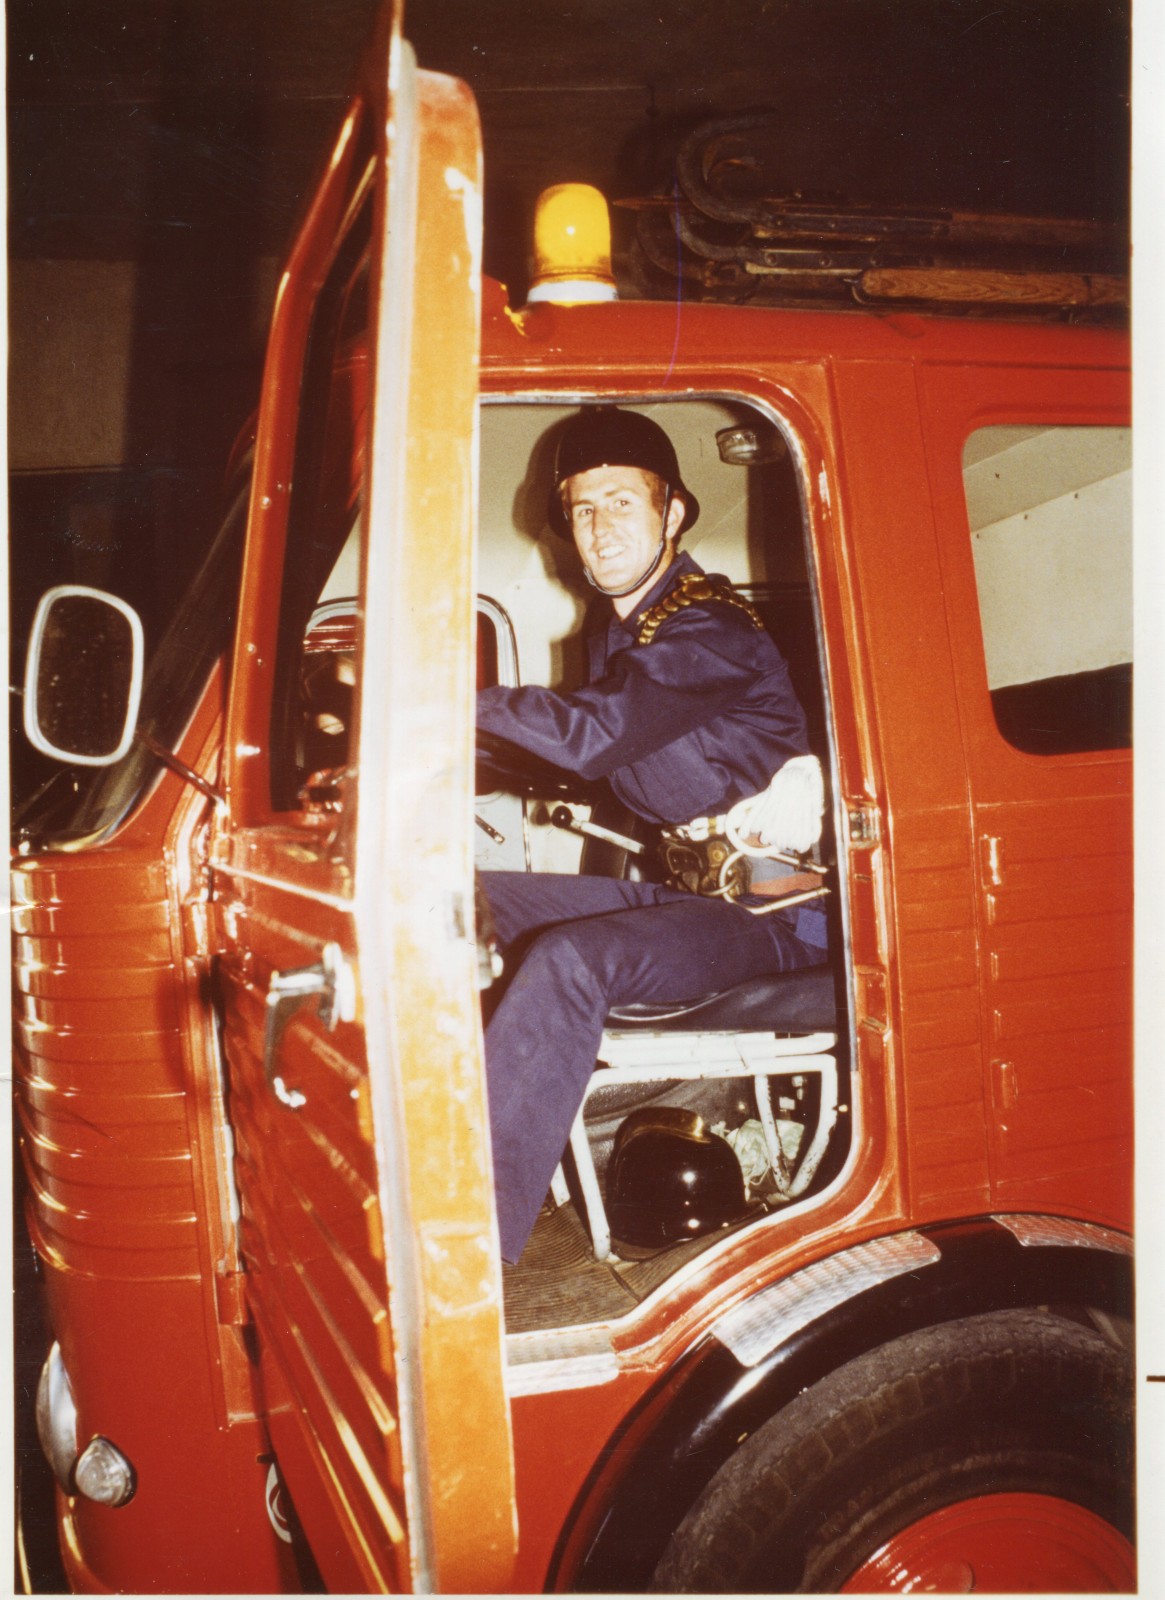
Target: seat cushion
[[802, 1001]]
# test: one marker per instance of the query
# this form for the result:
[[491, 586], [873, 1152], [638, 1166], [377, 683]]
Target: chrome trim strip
[[755, 1328], [569, 1372], [228, 869], [1035, 1230]]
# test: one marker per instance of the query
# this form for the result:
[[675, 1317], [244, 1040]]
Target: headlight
[[100, 1472], [56, 1417]]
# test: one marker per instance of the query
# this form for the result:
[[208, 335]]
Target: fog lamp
[[56, 1416], [572, 247], [103, 1474]]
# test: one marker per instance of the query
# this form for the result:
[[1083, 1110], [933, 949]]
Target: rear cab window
[[1050, 516]]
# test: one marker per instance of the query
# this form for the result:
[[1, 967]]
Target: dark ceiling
[[133, 118]]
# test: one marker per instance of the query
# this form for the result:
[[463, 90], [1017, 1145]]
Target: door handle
[[333, 980]]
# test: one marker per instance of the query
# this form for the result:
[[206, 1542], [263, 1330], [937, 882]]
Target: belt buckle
[[698, 865]]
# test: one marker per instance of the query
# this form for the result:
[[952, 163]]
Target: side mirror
[[83, 678]]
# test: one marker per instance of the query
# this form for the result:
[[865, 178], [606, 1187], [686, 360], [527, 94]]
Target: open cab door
[[347, 968]]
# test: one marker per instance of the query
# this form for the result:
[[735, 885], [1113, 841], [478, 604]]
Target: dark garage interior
[[159, 155]]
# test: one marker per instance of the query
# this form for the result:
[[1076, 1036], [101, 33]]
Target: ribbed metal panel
[[99, 1063], [942, 1049], [757, 1326], [310, 1238], [1059, 992]]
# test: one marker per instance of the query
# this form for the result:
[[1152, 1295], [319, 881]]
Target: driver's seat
[[781, 1024]]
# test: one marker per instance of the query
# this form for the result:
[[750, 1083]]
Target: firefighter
[[688, 709]]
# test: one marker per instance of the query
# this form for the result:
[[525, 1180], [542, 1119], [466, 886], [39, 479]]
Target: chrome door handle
[[334, 981]]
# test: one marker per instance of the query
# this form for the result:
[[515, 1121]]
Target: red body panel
[[926, 959], [121, 1111], [901, 634]]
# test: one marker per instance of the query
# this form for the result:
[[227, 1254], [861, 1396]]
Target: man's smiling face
[[616, 517]]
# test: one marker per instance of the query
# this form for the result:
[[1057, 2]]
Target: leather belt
[[793, 883]]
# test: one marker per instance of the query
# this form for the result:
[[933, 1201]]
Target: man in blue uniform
[[687, 710]]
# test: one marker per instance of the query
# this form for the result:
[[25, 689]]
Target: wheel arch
[[789, 1335]]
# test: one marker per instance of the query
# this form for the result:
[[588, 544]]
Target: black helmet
[[605, 436], [669, 1179]]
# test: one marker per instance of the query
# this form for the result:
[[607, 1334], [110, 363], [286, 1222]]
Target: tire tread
[[962, 1404]]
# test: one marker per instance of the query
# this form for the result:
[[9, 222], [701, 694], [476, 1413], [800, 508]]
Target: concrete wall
[[70, 335]]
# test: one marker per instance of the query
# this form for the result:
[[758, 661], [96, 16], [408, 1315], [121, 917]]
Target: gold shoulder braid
[[692, 588]]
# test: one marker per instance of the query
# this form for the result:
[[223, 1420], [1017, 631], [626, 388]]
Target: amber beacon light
[[572, 247]]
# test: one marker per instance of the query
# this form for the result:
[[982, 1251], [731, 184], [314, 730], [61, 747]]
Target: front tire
[[993, 1453]]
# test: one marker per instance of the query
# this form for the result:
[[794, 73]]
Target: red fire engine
[[284, 1351]]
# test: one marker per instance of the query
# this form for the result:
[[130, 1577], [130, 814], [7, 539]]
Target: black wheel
[[993, 1453]]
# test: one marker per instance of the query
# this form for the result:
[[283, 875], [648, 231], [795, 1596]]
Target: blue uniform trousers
[[583, 945]]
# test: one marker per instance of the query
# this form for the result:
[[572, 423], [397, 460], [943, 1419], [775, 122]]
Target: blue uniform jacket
[[681, 727]]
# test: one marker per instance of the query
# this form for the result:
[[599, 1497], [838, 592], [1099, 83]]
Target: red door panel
[[1053, 841]]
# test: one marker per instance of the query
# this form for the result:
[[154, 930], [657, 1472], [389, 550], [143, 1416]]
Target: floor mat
[[558, 1283], [641, 1277]]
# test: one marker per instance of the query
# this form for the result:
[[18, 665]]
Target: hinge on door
[[230, 1299], [862, 827]]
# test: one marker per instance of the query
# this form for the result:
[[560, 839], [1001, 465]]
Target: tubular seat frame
[[788, 1027]]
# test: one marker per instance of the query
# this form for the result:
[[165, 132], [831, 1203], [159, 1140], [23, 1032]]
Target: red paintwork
[[119, 1107], [909, 741], [1002, 1544], [957, 974], [366, 1214]]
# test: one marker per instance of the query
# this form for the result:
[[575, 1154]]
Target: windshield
[[80, 804]]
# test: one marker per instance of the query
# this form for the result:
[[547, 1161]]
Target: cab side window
[[315, 668], [1050, 512]]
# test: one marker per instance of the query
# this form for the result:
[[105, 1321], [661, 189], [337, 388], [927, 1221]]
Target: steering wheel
[[503, 765]]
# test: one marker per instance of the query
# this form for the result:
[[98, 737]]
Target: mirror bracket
[[176, 764]]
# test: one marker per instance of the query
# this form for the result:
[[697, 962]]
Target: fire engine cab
[[284, 1351]]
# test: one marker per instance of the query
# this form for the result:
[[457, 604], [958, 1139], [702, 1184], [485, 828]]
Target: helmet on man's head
[[670, 1178], [606, 436]]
